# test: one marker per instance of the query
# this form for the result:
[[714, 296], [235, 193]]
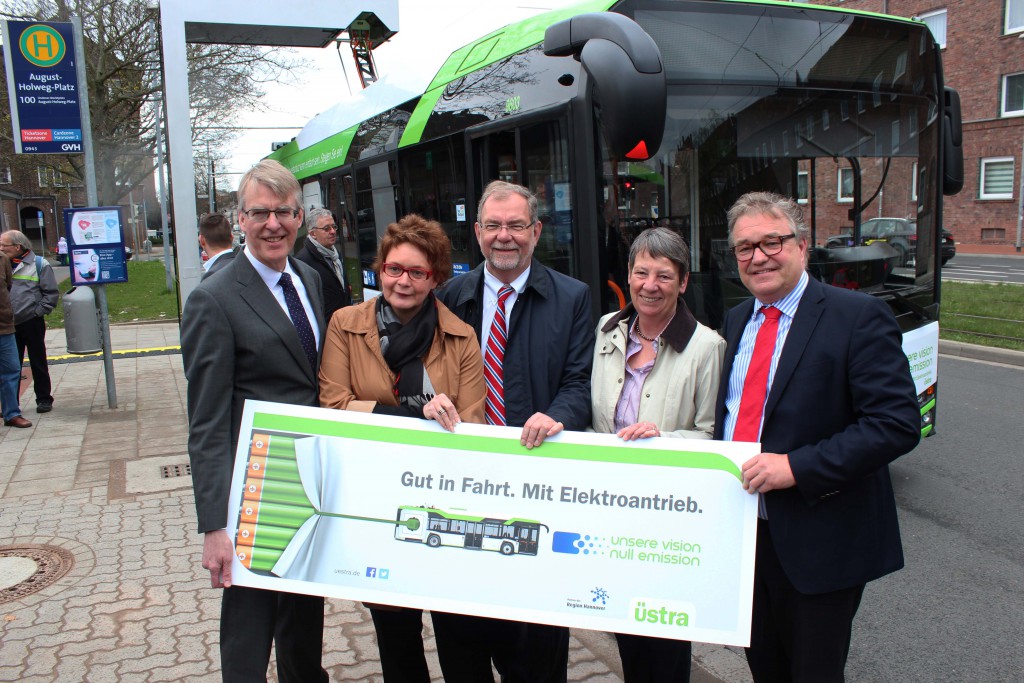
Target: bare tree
[[122, 54]]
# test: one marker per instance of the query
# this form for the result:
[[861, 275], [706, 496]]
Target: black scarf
[[404, 348]]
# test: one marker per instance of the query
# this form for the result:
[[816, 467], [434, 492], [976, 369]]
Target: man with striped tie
[[537, 335]]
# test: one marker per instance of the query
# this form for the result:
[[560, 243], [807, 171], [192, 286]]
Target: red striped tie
[[494, 356], [755, 386]]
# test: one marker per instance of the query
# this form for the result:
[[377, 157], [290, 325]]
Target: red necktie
[[494, 356], [755, 386]]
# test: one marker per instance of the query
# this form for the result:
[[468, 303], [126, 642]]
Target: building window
[[845, 185], [1013, 95], [802, 187], [5, 175], [43, 175], [936, 21], [993, 234], [996, 178], [1014, 16], [913, 182]]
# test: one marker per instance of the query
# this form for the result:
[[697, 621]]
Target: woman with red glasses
[[404, 353]]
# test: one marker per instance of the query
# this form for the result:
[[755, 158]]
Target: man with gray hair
[[817, 376], [33, 296], [253, 330], [320, 253]]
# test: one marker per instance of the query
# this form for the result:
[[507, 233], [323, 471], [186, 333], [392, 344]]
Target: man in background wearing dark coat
[[320, 253]]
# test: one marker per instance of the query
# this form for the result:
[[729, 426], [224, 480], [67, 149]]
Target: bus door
[[341, 200], [474, 535], [533, 153], [375, 203], [527, 537]]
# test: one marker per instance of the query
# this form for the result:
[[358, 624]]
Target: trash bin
[[82, 321]]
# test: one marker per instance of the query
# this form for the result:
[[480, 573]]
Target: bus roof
[[468, 518], [324, 142]]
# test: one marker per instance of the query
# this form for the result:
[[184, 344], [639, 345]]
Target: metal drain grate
[[169, 471], [52, 563]]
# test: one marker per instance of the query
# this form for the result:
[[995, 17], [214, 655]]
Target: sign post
[[45, 64]]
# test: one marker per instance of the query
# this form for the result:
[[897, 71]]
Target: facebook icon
[[371, 572]]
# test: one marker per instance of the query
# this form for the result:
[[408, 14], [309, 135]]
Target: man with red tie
[[818, 376], [537, 334]]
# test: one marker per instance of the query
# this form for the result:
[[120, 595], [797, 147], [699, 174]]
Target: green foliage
[[990, 315], [143, 297]]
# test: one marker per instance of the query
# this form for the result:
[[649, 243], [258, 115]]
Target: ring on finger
[[440, 411]]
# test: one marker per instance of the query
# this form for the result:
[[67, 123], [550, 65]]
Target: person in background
[[656, 372], [252, 330], [404, 353], [216, 240], [537, 332], [33, 296], [62, 251], [10, 365], [320, 253], [818, 376]]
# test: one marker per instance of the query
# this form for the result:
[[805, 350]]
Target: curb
[[976, 352]]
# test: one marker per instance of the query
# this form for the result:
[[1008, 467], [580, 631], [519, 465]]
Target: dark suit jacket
[[843, 406], [550, 344], [238, 343], [221, 261], [336, 293]]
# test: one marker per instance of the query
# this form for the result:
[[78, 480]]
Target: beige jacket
[[355, 376], [679, 395]]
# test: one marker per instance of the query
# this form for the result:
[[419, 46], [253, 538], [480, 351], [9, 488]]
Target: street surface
[[985, 268], [956, 611]]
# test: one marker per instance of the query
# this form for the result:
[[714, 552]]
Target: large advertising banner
[[652, 537], [42, 82]]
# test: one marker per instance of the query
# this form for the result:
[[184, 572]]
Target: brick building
[[983, 59], [33, 195]]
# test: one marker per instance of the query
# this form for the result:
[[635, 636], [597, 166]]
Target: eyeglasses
[[394, 270], [263, 215], [769, 246], [514, 228], [326, 228]]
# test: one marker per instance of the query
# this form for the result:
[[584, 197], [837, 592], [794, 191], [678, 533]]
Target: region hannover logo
[[42, 45]]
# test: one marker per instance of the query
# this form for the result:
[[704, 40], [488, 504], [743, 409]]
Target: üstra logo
[[669, 613]]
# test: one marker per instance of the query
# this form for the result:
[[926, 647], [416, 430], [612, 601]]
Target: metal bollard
[[81, 321]]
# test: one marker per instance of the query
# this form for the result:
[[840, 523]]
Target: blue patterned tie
[[299, 319]]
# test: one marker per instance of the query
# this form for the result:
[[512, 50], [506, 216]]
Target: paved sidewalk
[[102, 494]]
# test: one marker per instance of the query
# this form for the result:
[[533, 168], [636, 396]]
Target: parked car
[[900, 233]]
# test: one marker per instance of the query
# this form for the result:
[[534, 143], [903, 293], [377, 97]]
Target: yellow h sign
[[42, 45]]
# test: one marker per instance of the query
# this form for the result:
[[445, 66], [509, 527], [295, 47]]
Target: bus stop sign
[[42, 84]]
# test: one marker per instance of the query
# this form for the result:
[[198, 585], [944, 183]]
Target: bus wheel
[[507, 549], [433, 540]]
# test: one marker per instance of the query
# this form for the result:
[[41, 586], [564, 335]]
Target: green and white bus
[[623, 115], [437, 528]]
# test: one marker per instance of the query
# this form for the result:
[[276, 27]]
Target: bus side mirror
[[952, 143], [624, 65]]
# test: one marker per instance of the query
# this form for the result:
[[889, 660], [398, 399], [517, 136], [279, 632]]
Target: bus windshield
[[824, 107]]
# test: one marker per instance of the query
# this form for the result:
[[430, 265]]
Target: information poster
[[651, 537], [95, 245]]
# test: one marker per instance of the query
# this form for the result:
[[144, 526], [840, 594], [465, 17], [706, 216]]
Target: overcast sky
[[429, 31]]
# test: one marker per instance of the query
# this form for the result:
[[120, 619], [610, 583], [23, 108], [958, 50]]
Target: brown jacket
[[355, 376], [6, 280]]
